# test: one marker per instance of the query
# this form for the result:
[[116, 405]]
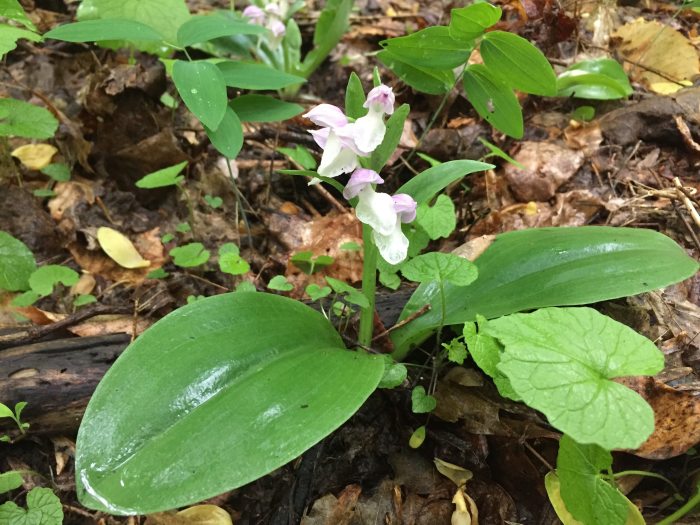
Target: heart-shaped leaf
[[213, 396], [16, 263], [561, 361]]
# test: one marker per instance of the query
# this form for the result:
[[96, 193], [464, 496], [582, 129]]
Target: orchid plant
[[280, 45], [255, 379]]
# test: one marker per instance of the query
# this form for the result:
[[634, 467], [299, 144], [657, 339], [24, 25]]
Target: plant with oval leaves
[[251, 380]]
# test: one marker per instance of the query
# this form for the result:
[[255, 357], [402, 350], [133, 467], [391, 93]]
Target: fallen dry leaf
[[676, 415], [120, 249], [657, 47], [547, 166], [35, 156], [111, 324]]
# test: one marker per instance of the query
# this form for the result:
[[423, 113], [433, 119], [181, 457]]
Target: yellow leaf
[[120, 249], [458, 475], [35, 156], [205, 515], [657, 54]]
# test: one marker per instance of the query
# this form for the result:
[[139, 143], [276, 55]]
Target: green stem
[[369, 286], [685, 509], [647, 474]]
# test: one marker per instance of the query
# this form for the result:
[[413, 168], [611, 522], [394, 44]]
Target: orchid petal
[[393, 247], [255, 14], [376, 210], [336, 159], [320, 136], [369, 131], [381, 99], [277, 27], [327, 116], [360, 179], [405, 206]]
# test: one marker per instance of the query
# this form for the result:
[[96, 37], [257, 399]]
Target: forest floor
[[616, 169]]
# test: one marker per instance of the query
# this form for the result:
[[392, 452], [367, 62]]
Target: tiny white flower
[[370, 129]]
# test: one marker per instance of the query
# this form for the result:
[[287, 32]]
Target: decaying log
[[56, 378]]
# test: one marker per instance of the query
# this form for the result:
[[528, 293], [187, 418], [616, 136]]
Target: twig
[[37, 332], [683, 195], [425, 308]]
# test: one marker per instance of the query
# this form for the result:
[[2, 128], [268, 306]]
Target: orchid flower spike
[[370, 129], [335, 138], [383, 213]]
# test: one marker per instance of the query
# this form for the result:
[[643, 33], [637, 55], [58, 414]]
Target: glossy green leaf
[[13, 10], [190, 255], [214, 396], [58, 172], [424, 186], [228, 137], [105, 29], [587, 496], [264, 108], [16, 263], [203, 90], [43, 508], [352, 294], [202, 28], [316, 292], [519, 63], [423, 79], [470, 22], [301, 155], [10, 480], [280, 284], [494, 100], [230, 260], [394, 373], [248, 75], [21, 119], [595, 79], [169, 176], [432, 47], [355, 97], [165, 16], [392, 137], [421, 403], [438, 220], [9, 36], [43, 280], [486, 353], [441, 267], [541, 267], [562, 362], [330, 28]]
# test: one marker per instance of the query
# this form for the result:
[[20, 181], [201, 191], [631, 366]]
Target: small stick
[[425, 308], [686, 201]]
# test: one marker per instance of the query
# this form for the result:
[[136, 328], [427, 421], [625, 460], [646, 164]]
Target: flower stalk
[[369, 286]]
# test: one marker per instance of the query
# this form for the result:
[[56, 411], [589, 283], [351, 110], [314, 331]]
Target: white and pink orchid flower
[[342, 141], [383, 213], [370, 129], [340, 154]]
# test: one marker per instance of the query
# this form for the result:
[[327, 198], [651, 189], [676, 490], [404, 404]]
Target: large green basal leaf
[[541, 267], [213, 396]]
